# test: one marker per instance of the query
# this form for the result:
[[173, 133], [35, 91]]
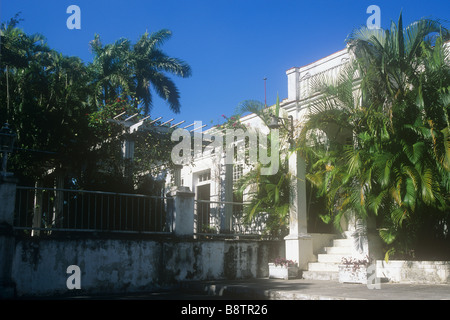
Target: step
[[338, 250], [327, 267], [331, 258], [320, 275], [343, 242], [321, 266]]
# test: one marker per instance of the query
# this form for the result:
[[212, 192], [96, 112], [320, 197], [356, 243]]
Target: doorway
[[203, 209]]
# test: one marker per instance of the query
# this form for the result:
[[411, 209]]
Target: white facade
[[207, 175]]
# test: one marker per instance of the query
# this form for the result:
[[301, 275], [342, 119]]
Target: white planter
[[282, 272], [352, 274]]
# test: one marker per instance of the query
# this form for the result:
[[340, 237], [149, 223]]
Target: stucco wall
[[414, 271], [321, 240], [124, 265]]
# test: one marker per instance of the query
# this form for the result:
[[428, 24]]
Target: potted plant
[[352, 270], [208, 232], [282, 268]]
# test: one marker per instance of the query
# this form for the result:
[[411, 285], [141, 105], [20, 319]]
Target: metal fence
[[46, 210], [210, 220]]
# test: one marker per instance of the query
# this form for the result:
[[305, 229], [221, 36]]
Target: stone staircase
[[327, 265]]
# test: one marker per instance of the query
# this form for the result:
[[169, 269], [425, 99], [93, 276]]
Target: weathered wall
[[414, 271], [126, 265], [321, 240]]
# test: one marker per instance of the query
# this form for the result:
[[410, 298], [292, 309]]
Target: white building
[[207, 174], [212, 180]]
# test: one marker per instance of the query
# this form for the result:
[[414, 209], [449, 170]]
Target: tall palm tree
[[123, 68], [46, 99], [111, 70], [150, 67], [18, 50]]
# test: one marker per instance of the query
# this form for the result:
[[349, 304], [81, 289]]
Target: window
[[205, 176], [238, 172]]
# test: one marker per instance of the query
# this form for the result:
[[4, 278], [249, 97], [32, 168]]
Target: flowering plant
[[284, 262], [355, 263], [231, 123]]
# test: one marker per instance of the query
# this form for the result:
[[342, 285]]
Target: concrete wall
[[125, 265], [414, 271]]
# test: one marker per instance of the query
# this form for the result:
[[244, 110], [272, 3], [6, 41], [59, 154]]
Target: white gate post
[[298, 243], [182, 211]]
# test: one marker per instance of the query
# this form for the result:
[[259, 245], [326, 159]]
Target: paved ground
[[274, 289], [257, 298], [301, 289], [267, 298]]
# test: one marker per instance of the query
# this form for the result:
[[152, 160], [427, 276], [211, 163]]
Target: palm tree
[[326, 139], [268, 195], [150, 65], [46, 99], [396, 167], [18, 50], [123, 68], [397, 66], [391, 60], [268, 198], [111, 69]]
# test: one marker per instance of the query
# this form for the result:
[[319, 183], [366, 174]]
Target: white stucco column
[[182, 209], [298, 243], [293, 76]]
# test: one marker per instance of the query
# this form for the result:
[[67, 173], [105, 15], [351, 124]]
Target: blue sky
[[231, 45]]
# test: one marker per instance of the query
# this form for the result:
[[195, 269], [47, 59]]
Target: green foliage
[[44, 97], [394, 165], [122, 67], [61, 108], [268, 195], [152, 149]]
